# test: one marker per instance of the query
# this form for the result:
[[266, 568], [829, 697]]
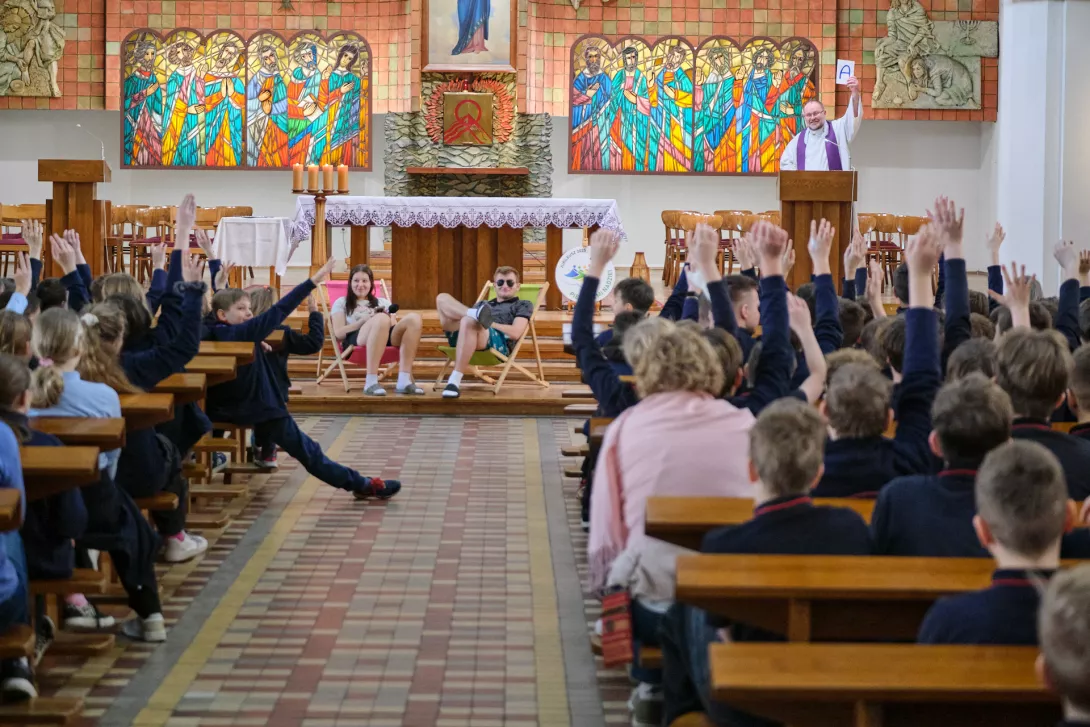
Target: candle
[[327, 177], [297, 177], [342, 178], [312, 178]]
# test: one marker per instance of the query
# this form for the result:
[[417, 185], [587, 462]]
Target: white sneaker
[[189, 547], [85, 617], [152, 628]]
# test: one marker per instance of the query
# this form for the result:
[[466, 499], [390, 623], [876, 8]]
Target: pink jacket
[[670, 444]]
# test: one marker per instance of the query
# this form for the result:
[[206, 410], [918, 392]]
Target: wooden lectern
[[806, 196], [74, 207]]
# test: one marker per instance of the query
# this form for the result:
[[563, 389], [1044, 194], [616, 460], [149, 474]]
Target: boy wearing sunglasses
[[490, 324]]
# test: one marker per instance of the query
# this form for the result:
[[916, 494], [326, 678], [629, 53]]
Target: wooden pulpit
[[806, 196], [74, 207]]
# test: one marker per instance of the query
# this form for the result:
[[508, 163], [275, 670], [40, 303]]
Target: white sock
[[372, 379], [404, 379], [455, 378], [473, 313]]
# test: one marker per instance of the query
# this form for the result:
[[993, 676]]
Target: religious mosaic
[[31, 44], [217, 101], [722, 108], [927, 65], [466, 120]]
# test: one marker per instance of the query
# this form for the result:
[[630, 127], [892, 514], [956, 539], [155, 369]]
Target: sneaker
[[482, 313], [152, 628], [646, 705], [45, 633], [86, 617], [374, 390], [219, 461], [189, 547], [376, 487], [453, 391], [266, 458], [16, 681]]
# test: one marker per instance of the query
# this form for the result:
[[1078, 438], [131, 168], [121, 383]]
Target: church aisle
[[457, 603]]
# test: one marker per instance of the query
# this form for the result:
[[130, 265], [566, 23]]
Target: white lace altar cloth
[[458, 212]]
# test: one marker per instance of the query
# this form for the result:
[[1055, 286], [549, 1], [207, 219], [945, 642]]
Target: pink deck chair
[[333, 289]]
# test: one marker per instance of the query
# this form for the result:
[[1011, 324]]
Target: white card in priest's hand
[[844, 71]]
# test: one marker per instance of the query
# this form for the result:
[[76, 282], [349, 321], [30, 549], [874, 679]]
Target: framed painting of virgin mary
[[475, 36]]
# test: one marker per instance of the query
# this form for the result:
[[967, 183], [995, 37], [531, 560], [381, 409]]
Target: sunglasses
[[508, 283]]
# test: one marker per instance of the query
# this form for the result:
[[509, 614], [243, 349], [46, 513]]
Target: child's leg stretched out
[[284, 432]]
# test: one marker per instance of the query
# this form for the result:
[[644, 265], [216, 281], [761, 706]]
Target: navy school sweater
[[52, 523], [671, 309], [862, 466], [252, 396], [928, 516], [1072, 451], [613, 395], [827, 328], [773, 380], [298, 344], [1004, 614]]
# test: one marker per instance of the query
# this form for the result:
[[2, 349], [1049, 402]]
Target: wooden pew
[[241, 351], [10, 511], [827, 598], [275, 339], [143, 411], [598, 427], [685, 520], [217, 369], [106, 434], [880, 685], [49, 470], [185, 388]]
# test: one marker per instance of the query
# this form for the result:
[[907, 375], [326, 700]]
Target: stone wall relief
[[931, 65], [31, 44]]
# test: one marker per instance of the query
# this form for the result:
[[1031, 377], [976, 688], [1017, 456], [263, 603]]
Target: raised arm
[[65, 257], [703, 247], [258, 329], [311, 342], [1067, 317], [855, 259], [814, 383], [995, 273], [32, 235], [873, 289], [949, 222], [158, 286], [17, 303], [827, 328], [597, 373]]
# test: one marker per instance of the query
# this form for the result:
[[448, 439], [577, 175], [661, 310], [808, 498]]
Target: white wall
[[903, 165]]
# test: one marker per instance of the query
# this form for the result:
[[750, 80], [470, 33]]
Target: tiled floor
[[457, 603]]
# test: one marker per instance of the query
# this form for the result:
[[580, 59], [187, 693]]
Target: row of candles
[[312, 179]]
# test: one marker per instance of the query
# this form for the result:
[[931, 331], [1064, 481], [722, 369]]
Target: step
[[42, 710], [426, 372], [68, 643]]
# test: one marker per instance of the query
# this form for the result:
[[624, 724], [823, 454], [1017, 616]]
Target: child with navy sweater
[[785, 461], [932, 515], [1063, 624], [1021, 516], [859, 461], [252, 398]]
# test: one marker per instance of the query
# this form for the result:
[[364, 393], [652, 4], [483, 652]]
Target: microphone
[[394, 308], [101, 144]]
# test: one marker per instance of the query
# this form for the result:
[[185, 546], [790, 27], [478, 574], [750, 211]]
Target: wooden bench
[[50, 470], [598, 427], [880, 685], [217, 369], [275, 339], [11, 516], [241, 351], [52, 591], [106, 434], [185, 388], [580, 393], [685, 520], [827, 598], [144, 411], [581, 410]]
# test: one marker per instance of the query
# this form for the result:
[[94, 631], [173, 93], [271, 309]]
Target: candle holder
[[319, 251]]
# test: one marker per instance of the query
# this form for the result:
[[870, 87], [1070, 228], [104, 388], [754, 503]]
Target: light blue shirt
[[87, 399], [11, 475], [17, 303]]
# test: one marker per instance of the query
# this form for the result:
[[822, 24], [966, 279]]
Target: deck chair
[[357, 356], [535, 293]]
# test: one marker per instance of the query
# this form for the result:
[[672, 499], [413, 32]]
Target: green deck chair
[[492, 358]]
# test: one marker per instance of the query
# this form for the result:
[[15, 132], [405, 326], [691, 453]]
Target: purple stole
[[832, 150]]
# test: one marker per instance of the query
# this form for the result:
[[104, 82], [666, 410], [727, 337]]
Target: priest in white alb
[[823, 145]]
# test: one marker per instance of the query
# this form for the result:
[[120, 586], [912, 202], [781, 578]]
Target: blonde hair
[[857, 401], [1063, 626], [15, 332], [787, 446], [1033, 368], [58, 337], [639, 336], [261, 299], [844, 356], [678, 358], [112, 284], [104, 323]]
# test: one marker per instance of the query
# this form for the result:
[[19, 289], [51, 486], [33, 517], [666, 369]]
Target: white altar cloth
[[255, 242], [457, 212]]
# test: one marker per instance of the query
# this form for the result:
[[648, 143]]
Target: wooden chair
[[729, 232], [868, 685], [121, 234], [356, 355], [907, 226], [151, 226], [11, 229], [675, 247], [886, 243], [535, 293]]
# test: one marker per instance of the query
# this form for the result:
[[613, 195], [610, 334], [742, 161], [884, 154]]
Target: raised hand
[[63, 253], [1084, 268], [873, 293], [186, 219], [798, 313], [855, 256], [995, 241], [203, 242], [770, 243], [72, 238], [743, 250], [703, 247], [323, 272], [922, 251], [789, 258], [223, 277], [22, 274], [821, 245], [32, 235], [192, 268], [1068, 258], [312, 307], [603, 247], [948, 222], [1018, 286], [158, 256]]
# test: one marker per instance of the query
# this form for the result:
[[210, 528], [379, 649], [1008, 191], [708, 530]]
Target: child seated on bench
[[253, 399], [631, 295], [16, 676], [495, 323], [932, 515], [1064, 630], [785, 460], [1021, 516]]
